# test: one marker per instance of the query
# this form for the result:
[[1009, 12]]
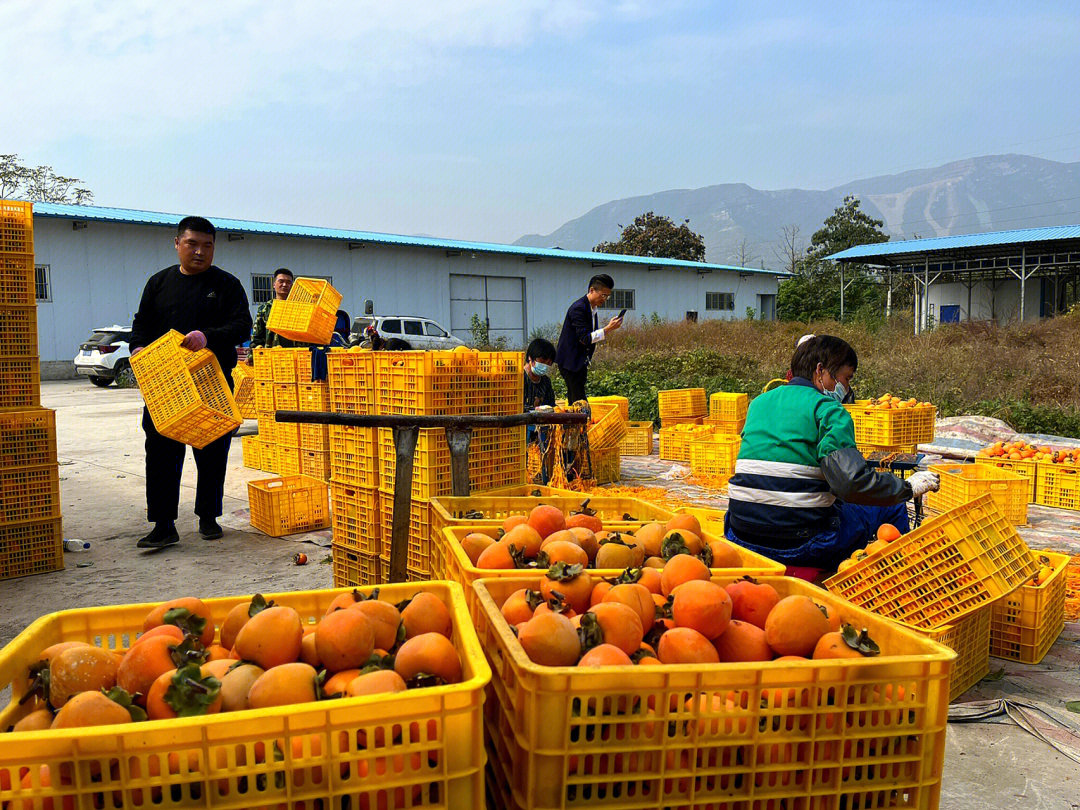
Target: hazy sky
[[488, 119]]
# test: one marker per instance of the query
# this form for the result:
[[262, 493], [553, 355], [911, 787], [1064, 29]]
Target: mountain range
[[743, 225]]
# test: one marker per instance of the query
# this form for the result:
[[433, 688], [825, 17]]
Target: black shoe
[[164, 534], [209, 529]]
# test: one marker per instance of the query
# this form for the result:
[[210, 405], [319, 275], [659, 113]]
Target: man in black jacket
[[580, 334], [210, 308]]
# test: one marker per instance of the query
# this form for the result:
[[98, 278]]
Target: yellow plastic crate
[[288, 505], [354, 456], [243, 377], [607, 428], [526, 491], [683, 402], [17, 280], [351, 380], [714, 455], [711, 520], [283, 364], [1026, 623], [438, 383], [949, 567], [969, 638], [252, 447], [1022, 467], [605, 465], [672, 421], [315, 464], [266, 424], [353, 569], [286, 460], [1057, 485], [28, 438], [638, 440], [731, 427], [496, 458], [433, 753], [18, 331], [16, 227], [286, 397], [356, 514], [304, 366], [893, 426], [315, 438], [622, 402], [263, 365], [854, 734], [308, 315], [20, 382], [724, 406], [962, 483], [313, 396], [29, 493], [419, 552], [675, 441], [449, 560], [287, 434], [185, 392], [264, 397], [34, 547]]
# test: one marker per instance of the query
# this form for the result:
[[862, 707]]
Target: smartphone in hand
[[622, 312]]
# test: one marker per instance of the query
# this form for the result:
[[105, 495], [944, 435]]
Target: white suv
[[420, 333], [104, 357]]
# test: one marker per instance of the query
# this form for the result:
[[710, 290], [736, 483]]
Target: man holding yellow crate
[[210, 308]]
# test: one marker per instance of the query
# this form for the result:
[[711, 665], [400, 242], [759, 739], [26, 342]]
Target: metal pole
[[926, 293], [404, 448], [1023, 273], [457, 439], [841, 293], [969, 297]]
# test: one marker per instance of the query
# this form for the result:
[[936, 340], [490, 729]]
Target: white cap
[[803, 340]]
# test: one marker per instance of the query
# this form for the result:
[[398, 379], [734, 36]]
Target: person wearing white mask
[[539, 359], [802, 493]]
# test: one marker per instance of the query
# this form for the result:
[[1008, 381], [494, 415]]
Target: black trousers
[[575, 384], [165, 463]]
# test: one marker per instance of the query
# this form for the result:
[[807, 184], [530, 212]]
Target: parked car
[[104, 357], [420, 333]]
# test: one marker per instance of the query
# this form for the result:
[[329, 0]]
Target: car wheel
[[100, 382], [125, 377]]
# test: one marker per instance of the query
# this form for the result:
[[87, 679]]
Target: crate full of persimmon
[[362, 698]]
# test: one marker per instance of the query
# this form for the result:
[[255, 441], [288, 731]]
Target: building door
[[950, 313], [767, 307], [498, 300]]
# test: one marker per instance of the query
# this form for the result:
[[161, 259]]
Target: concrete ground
[[990, 764]]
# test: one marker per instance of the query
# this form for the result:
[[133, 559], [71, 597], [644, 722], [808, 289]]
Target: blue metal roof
[[889, 250], [93, 213]]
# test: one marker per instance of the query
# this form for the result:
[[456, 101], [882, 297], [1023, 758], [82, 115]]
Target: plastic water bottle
[[76, 545]]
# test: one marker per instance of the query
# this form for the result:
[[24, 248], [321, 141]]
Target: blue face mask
[[837, 393], [540, 368]]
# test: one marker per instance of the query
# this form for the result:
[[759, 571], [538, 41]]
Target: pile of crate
[[31, 538], [283, 382], [363, 461], [682, 406], [712, 456], [891, 430], [608, 429]]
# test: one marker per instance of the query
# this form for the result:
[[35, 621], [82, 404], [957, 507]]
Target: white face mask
[[837, 393], [541, 369]]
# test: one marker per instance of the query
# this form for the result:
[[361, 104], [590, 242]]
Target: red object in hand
[[194, 341]]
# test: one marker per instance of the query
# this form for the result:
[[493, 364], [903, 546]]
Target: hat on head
[[803, 340]]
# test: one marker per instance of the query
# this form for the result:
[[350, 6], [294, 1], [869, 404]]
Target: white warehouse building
[[92, 263]]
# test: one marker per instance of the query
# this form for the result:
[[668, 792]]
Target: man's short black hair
[[601, 281], [283, 271], [196, 224], [540, 349], [832, 352]]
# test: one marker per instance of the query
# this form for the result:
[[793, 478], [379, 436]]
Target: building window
[[262, 286], [720, 300], [620, 299], [42, 285]]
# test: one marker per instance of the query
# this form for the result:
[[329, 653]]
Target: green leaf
[[673, 545], [564, 572], [190, 694], [1073, 706], [185, 620], [856, 640], [258, 605], [188, 651], [124, 698], [590, 633]]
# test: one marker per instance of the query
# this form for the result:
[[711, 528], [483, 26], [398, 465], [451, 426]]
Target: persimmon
[[385, 621], [380, 681], [143, 663], [512, 521], [637, 598], [284, 685], [183, 692], [236, 684], [742, 641], [724, 555], [35, 721], [524, 538], [615, 554], [62, 801], [47, 654], [650, 536], [655, 562], [563, 534], [309, 653], [520, 605], [90, 709], [679, 569], [80, 669], [428, 654], [833, 616], [344, 640], [586, 538], [235, 619], [701, 605], [649, 578], [683, 522], [474, 543], [574, 585], [751, 601], [567, 552], [219, 667], [170, 630], [888, 532], [337, 683], [586, 521], [680, 541], [198, 619], [618, 623], [794, 626], [705, 705], [426, 613], [599, 591], [846, 643], [496, 557], [682, 645], [605, 655], [340, 602], [550, 640], [271, 637], [547, 519]]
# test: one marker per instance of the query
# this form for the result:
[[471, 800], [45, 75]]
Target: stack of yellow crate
[[31, 538], [682, 406], [727, 411], [607, 430]]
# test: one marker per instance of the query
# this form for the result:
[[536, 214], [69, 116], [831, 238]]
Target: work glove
[[924, 481], [194, 341]]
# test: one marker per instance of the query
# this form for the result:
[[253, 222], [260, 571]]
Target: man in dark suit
[[580, 334]]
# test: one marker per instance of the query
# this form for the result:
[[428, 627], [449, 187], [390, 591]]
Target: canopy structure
[[1051, 253]]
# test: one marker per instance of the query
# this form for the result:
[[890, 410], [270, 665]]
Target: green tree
[[814, 291], [40, 184], [655, 235]]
